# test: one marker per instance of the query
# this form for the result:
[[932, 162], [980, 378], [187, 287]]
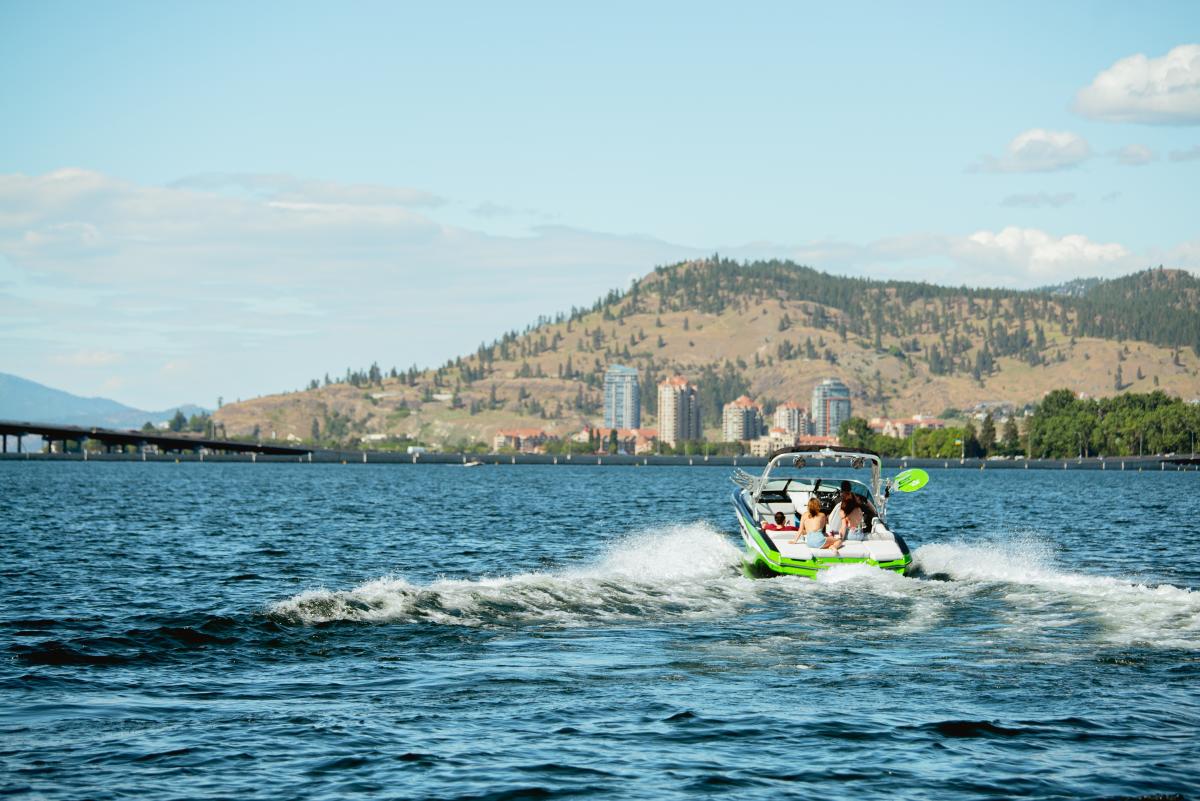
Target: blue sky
[[228, 199]]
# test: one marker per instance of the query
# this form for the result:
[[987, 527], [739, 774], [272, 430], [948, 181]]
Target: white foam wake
[[1044, 595], [678, 572]]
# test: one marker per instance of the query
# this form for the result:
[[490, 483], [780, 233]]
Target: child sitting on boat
[[780, 524]]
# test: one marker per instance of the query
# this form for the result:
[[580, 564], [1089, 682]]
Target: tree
[[854, 433], [178, 422], [970, 446], [316, 430], [987, 433], [1012, 439]]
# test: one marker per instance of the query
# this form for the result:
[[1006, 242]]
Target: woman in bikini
[[851, 522], [812, 524]]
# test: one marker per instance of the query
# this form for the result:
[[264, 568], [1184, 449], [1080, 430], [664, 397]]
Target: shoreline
[[1182, 462]]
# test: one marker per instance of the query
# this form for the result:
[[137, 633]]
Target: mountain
[[21, 399], [771, 329]]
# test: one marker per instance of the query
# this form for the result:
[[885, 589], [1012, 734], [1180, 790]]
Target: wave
[[1042, 594], [680, 572]]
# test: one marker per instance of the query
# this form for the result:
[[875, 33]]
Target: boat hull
[[762, 558]]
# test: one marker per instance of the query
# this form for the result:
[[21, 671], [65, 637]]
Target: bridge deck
[[139, 439]]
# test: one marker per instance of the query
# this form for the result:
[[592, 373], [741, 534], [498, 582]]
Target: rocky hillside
[[772, 330]]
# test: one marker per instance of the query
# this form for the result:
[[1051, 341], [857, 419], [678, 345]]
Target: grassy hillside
[[772, 329]]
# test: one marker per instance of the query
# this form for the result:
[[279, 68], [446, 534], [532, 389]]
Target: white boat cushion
[[879, 551], [854, 550], [883, 551], [797, 551], [766, 511]]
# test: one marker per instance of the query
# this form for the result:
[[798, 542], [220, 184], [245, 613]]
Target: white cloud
[[1011, 257], [1038, 150], [1164, 90], [1032, 253], [1135, 155], [1038, 200]]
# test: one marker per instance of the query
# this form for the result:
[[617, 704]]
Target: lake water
[[329, 631]]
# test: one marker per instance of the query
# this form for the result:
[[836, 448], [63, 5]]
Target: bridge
[[115, 438]]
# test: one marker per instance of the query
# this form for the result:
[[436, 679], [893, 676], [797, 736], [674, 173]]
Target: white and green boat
[[793, 476]]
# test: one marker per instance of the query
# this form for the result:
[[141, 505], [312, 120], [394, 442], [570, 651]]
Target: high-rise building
[[792, 418], [741, 419], [830, 407], [678, 411], [622, 403]]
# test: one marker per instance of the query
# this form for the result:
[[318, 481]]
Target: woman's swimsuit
[[815, 538]]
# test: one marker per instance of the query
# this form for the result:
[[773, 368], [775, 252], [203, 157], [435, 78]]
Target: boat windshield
[[782, 485], [791, 463]]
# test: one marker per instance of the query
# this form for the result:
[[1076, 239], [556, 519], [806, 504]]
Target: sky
[[203, 200]]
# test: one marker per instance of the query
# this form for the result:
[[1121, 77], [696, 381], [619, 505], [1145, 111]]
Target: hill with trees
[[770, 329]]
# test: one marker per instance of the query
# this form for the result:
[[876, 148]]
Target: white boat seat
[[883, 550], [767, 511], [878, 550]]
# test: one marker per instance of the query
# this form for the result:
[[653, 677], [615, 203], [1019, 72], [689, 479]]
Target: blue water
[[329, 631]]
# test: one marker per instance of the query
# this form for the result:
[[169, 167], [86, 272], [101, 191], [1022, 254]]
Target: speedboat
[[786, 485]]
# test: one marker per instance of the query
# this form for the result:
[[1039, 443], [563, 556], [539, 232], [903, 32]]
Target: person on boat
[[780, 524], [850, 521], [864, 503], [812, 524]]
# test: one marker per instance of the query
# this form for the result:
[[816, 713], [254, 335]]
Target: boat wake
[[693, 572], [679, 573], [1039, 594]]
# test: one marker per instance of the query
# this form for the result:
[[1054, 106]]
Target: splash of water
[[1128, 612], [683, 571]]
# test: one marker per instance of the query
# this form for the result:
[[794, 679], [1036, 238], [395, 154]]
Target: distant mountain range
[[24, 400]]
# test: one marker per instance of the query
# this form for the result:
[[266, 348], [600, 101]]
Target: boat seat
[[766, 511], [799, 498], [798, 551], [878, 550]]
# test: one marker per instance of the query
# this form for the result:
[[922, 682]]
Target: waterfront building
[[622, 403], [629, 440], [678, 411], [903, 428], [775, 439], [830, 407], [741, 419], [525, 440], [792, 418]]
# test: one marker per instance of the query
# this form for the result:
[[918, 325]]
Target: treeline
[[1123, 425], [1061, 426]]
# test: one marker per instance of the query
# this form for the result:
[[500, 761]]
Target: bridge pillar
[[5, 444]]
